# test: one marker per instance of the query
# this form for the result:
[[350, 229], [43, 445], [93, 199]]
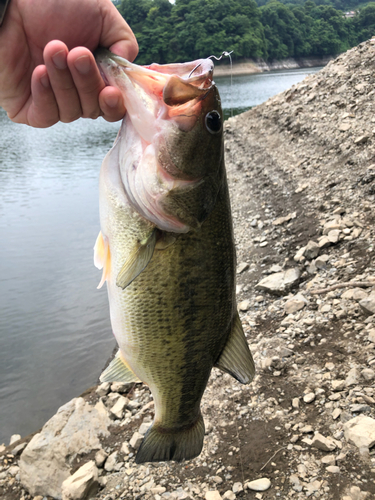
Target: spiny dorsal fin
[[137, 261], [102, 257], [236, 358], [118, 371]]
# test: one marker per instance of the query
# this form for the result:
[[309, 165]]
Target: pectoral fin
[[236, 358], [137, 261], [118, 371], [102, 257]]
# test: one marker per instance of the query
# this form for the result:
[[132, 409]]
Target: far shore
[[248, 67]]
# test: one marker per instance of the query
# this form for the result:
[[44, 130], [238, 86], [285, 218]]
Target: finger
[[43, 110], [87, 79], [112, 104], [55, 57]]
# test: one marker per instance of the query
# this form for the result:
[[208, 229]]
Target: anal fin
[[137, 261], [118, 371], [236, 358]]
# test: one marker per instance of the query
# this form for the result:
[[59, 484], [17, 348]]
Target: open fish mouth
[[162, 102]]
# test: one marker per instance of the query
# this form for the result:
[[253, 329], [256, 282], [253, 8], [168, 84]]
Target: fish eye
[[213, 122]]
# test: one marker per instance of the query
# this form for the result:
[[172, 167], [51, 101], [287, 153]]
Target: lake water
[[55, 335]]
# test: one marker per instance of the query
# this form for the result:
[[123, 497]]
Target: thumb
[[116, 33]]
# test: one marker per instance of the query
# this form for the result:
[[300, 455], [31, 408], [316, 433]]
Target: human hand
[[47, 70]]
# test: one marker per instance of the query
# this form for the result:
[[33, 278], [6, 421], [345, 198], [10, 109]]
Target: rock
[[368, 305], [325, 308], [344, 127], [361, 139], [309, 398], [286, 218], [2, 448], [242, 266], [322, 443], [312, 487], [144, 428], [329, 460], [120, 387], [352, 378], [279, 283], [244, 305], [321, 261], [324, 242], [338, 385], [103, 389], [111, 461], [296, 483], [83, 484], [300, 254], [14, 438], [295, 403], [229, 495], [336, 413], [333, 236], [311, 250], [360, 408], [136, 440], [355, 493], [261, 484], [295, 304], [125, 448], [75, 429], [368, 374], [371, 335], [237, 487], [18, 449], [100, 458], [13, 470], [359, 294], [118, 408], [333, 469], [212, 495], [360, 431]]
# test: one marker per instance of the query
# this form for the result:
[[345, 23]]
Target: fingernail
[[59, 59], [83, 64], [44, 80], [112, 101]]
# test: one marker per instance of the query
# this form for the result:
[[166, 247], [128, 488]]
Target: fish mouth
[[173, 85], [160, 100]]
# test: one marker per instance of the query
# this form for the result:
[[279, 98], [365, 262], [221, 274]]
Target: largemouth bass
[[166, 248]]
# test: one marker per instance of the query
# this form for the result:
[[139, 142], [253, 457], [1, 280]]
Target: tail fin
[[160, 444]]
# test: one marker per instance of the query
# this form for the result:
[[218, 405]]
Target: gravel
[[301, 170]]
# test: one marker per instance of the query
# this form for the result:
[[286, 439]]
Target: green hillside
[[191, 29]]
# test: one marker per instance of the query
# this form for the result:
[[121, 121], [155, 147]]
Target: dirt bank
[[301, 169]]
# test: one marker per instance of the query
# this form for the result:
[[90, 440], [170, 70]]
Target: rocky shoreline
[[249, 67], [301, 171]]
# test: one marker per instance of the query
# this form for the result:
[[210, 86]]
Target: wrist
[[3, 8]]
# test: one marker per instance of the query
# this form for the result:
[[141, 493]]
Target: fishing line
[[227, 54], [223, 54]]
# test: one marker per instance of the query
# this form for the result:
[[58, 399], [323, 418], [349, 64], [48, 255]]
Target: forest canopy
[[191, 29]]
